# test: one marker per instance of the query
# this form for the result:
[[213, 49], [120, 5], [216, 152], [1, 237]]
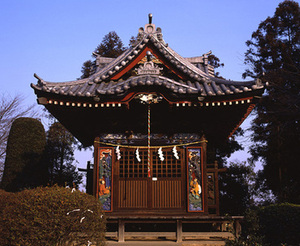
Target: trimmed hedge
[[24, 166], [50, 216]]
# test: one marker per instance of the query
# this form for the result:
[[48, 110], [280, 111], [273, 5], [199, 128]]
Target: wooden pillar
[[218, 170], [179, 231], [89, 178], [223, 226], [238, 228], [121, 231], [217, 188], [96, 166], [204, 157]]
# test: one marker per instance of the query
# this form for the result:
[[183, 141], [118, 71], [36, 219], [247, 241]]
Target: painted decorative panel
[[105, 177], [195, 179]]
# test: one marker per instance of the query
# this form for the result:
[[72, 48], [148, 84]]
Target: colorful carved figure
[[195, 188], [102, 189]]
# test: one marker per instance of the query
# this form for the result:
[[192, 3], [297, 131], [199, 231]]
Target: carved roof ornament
[[148, 67], [149, 98], [150, 29]]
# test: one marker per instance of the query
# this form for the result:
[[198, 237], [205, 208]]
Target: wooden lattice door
[[164, 190]]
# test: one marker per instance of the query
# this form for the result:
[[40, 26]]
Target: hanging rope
[[152, 147]]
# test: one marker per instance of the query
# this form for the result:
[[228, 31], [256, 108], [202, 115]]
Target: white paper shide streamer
[[175, 153], [137, 155], [161, 154], [118, 153]]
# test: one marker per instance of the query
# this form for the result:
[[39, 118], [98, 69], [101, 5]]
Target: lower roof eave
[[48, 98]]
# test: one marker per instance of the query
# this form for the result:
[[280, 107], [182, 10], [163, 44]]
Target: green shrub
[[251, 235], [280, 223], [273, 225], [50, 216]]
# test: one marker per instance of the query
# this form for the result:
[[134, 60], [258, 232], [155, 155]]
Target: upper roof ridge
[[149, 29]]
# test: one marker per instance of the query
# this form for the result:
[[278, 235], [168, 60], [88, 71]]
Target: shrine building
[[150, 115]]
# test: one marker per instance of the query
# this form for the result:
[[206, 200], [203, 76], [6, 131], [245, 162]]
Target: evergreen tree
[[87, 69], [133, 40], [111, 46], [236, 188], [216, 63], [273, 55], [60, 156], [24, 166]]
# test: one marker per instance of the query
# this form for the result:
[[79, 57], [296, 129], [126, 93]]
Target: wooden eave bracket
[[42, 100]]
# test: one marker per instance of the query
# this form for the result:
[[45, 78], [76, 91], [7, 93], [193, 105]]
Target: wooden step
[[165, 243]]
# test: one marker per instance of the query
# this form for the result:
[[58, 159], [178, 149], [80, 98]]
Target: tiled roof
[[82, 106], [215, 87], [106, 80]]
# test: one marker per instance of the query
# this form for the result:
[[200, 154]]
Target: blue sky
[[54, 37]]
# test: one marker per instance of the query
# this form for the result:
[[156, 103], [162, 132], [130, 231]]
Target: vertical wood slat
[[166, 194], [133, 194]]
